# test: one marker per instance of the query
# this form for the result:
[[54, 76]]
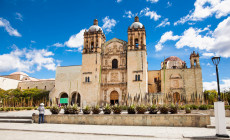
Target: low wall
[[208, 112], [181, 120]]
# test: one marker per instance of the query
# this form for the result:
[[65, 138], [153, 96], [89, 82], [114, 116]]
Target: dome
[[173, 58], [95, 26], [19, 73], [136, 25]]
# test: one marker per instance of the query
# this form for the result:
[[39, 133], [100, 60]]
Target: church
[[116, 69], [112, 70]]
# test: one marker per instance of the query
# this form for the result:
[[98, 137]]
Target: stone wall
[[41, 84], [178, 120]]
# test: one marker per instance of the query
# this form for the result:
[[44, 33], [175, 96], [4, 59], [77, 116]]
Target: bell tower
[[136, 36], [137, 76], [94, 38], [194, 60]]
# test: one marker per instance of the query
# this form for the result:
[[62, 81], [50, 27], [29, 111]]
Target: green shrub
[[96, 109], [124, 107], [107, 109], [1, 109], [17, 108], [29, 108], [153, 109], [87, 110], [194, 107], [71, 109], [48, 107], [227, 107], [141, 109], [203, 107], [187, 110], [55, 109], [182, 107], [173, 109], [131, 109], [164, 109], [7, 109], [117, 109], [210, 106]]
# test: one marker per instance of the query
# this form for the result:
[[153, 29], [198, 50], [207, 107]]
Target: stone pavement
[[129, 132], [72, 131]]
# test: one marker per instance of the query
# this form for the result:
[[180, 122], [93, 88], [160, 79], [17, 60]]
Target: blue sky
[[38, 35]]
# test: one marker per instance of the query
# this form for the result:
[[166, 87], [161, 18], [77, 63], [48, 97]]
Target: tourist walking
[[41, 110]]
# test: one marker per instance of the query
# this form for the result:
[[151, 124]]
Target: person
[[41, 110]]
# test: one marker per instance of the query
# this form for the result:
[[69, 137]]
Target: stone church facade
[[112, 70]]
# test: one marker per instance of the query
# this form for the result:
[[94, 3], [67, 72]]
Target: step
[[15, 117], [212, 126], [16, 120]]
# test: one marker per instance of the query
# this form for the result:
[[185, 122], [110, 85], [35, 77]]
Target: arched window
[[92, 45], [136, 43], [88, 79], [195, 63], [114, 64]]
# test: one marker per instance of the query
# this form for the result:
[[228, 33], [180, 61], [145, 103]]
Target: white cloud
[[32, 41], [169, 4], [19, 16], [76, 41], [118, 1], [152, 14], [213, 85], [216, 42], [206, 8], [6, 24], [164, 23], [128, 14], [108, 24], [207, 55], [152, 1], [58, 45], [27, 60], [165, 37]]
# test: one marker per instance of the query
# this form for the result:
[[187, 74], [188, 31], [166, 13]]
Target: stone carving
[[114, 77]]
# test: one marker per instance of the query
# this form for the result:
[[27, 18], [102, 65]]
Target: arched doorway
[[64, 99], [114, 98], [73, 99], [78, 99], [176, 97]]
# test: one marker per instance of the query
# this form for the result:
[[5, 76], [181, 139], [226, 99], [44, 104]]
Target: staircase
[[16, 119]]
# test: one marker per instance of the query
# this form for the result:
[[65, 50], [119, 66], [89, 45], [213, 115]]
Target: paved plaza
[[26, 131]]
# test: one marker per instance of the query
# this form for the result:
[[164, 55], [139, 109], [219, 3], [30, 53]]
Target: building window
[[137, 77], [87, 79], [114, 64], [155, 80], [45, 87], [174, 67], [28, 88], [36, 87], [92, 44], [136, 43]]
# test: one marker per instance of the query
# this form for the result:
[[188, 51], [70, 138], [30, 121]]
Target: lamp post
[[216, 61], [219, 106]]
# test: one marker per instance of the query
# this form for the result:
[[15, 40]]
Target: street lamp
[[219, 107], [216, 61]]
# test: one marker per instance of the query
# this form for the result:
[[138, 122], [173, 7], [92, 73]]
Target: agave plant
[[55, 109], [131, 109], [87, 110], [96, 110], [107, 109], [153, 109], [173, 109], [141, 109], [187, 110], [164, 109], [117, 109]]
